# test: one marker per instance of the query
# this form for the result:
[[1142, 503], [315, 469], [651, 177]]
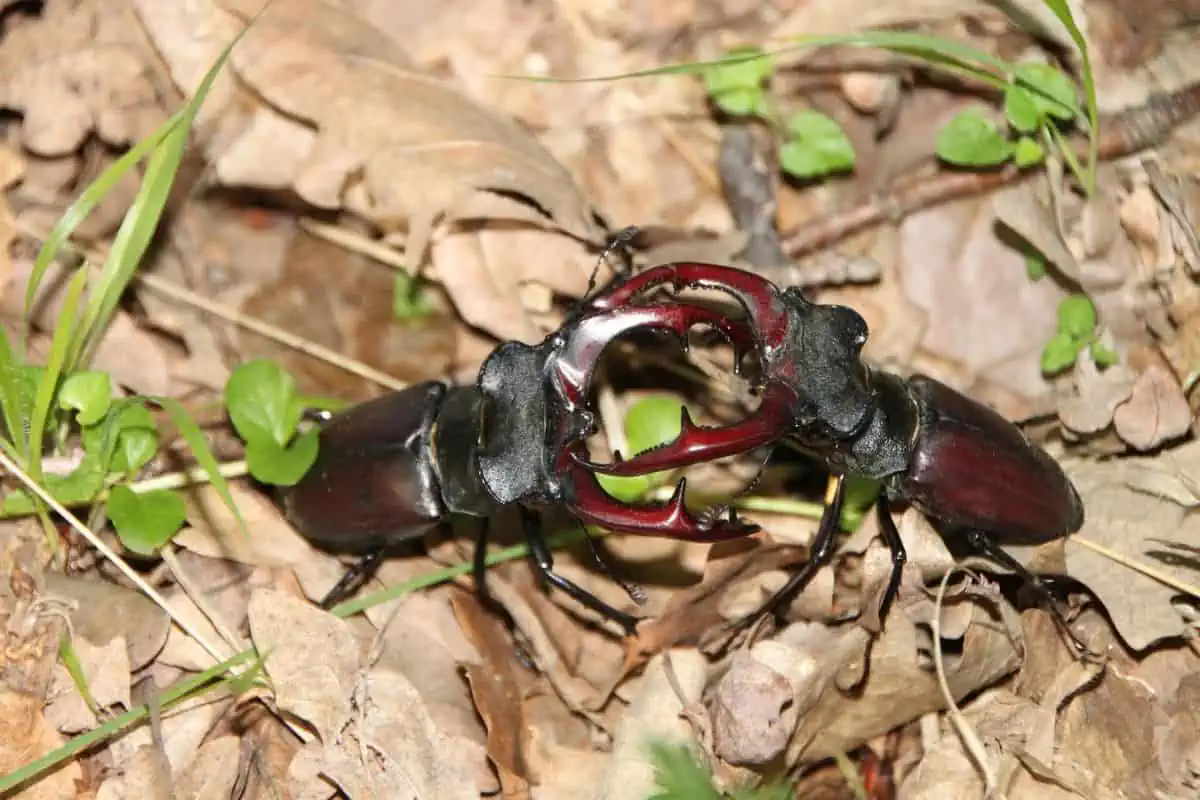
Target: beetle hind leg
[[986, 546], [354, 578]]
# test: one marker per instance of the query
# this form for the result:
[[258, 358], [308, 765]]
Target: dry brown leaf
[[288, 631], [1121, 516], [392, 749], [654, 715], [106, 669], [105, 611], [422, 642], [214, 772], [496, 691], [144, 775], [80, 68], [214, 532], [184, 728], [1156, 411], [1096, 397], [370, 133], [982, 310]]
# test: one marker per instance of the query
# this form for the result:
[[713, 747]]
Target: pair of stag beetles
[[393, 467]]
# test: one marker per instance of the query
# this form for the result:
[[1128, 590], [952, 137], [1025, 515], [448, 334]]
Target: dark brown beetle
[[958, 461]]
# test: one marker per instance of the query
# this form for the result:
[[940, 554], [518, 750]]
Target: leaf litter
[[385, 125]]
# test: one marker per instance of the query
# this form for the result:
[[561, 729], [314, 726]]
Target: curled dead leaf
[[1096, 397], [1157, 410]]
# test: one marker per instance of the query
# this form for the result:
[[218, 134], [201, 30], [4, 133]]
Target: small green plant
[[679, 775], [266, 412], [1038, 101], [408, 298], [650, 422], [1077, 331], [813, 144]]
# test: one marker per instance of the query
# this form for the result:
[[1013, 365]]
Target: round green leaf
[[261, 398], [1053, 91], [740, 102], [651, 422], [281, 466], [1035, 266], [1022, 113], [1104, 356], [972, 140], [89, 394], [1059, 353], [748, 73], [1029, 152], [1076, 316], [817, 147], [408, 299], [145, 522], [135, 448]]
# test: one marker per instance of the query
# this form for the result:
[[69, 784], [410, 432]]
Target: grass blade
[[1063, 12]]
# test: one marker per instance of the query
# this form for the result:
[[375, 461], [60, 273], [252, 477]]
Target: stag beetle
[[391, 468], [957, 461]]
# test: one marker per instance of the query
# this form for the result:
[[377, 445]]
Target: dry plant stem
[[1138, 566], [969, 738], [188, 297], [235, 642], [95, 255], [1123, 134]]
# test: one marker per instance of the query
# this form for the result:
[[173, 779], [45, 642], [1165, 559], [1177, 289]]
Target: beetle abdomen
[[372, 480], [973, 468]]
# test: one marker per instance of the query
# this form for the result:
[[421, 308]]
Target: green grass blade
[[64, 332], [969, 60], [141, 221], [181, 691], [192, 434], [79, 210], [1063, 12], [10, 398]]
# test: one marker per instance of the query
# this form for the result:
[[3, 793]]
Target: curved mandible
[[758, 296]]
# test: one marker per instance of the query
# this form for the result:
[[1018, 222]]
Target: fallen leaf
[[79, 69], [288, 631], [497, 694], [184, 727], [654, 716], [213, 531], [103, 612], [106, 670], [213, 774], [1096, 396], [375, 135], [408, 755], [144, 775], [1156, 411]]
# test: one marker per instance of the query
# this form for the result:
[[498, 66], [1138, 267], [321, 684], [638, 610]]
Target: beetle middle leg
[[543, 559], [355, 576]]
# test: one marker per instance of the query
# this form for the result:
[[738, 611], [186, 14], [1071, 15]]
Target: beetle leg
[[983, 543], [695, 445], [586, 499], [355, 576], [891, 535], [543, 559], [819, 554]]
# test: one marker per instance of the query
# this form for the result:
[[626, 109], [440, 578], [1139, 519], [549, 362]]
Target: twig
[[1122, 134]]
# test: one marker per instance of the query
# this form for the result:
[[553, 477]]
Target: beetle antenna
[[619, 243]]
